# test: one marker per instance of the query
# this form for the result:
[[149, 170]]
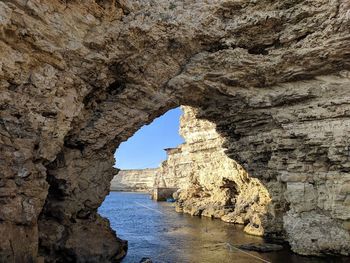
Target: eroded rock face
[[134, 180], [79, 77], [211, 184]]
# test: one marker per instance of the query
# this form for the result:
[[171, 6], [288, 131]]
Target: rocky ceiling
[[79, 77]]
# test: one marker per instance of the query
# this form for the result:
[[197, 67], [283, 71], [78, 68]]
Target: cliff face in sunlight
[[138, 180], [211, 184]]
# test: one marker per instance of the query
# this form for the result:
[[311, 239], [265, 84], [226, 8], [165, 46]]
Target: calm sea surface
[[155, 230]]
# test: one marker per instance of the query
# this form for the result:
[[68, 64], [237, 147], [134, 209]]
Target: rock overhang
[[79, 78]]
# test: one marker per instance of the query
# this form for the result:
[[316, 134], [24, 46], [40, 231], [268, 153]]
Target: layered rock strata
[[211, 184], [136, 180], [174, 171], [79, 77]]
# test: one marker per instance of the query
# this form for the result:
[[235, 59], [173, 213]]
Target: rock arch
[[77, 78]]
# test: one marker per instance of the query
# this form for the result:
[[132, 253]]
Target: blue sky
[[145, 149]]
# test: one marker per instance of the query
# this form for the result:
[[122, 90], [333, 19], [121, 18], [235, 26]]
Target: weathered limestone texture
[[211, 184], [134, 180], [79, 77], [174, 171]]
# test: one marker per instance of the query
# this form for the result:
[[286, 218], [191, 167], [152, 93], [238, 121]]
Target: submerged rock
[[263, 248], [146, 260]]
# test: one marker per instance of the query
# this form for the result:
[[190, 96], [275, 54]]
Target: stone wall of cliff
[[211, 184], [134, 180], [77, 78]]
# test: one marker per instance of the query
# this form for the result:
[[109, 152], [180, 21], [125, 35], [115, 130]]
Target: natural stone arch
[[79, 78]]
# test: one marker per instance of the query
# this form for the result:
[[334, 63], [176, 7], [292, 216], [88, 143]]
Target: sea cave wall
[[77, 78]]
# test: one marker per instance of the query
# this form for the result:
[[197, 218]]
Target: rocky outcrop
[[134, 180], [79, 77], [174, 171], [211, 184]]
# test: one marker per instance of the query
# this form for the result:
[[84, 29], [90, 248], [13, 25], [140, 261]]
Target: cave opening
[[145, 149], [258, 128], [195, 173]]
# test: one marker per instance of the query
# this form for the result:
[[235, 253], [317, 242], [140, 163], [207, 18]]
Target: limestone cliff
[[211, 184], [77, 78], [134, 180], [173, 172]]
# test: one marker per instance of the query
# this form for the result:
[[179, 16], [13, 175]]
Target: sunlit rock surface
[[134, 180], [211, 184], [79, 77]]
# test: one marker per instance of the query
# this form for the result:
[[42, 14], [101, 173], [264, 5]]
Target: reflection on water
[[155, 230]]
